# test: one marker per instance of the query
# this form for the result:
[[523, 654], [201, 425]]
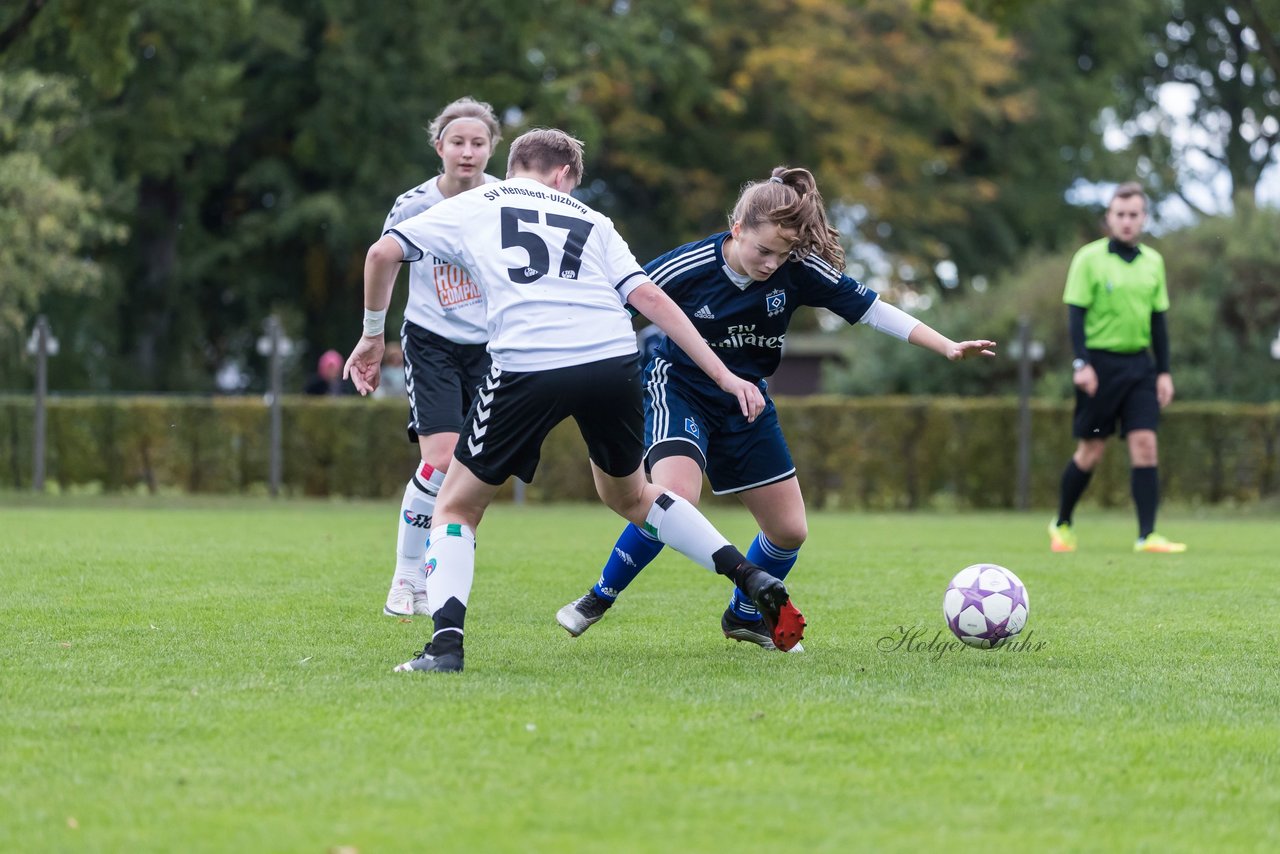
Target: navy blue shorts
[[1126, 396], [441, 377], [688, 418]]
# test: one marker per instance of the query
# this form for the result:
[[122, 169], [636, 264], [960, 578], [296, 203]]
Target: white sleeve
[[889, 319], [624, 271], [435, 231]]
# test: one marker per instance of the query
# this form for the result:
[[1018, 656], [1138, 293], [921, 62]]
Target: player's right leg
[[408, 591]]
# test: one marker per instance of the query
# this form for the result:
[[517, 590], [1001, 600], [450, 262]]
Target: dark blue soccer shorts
[[685, 417]]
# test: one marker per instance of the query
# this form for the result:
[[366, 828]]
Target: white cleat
[[420, 603], [399, 601]]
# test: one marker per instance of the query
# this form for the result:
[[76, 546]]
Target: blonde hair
[[466, 108], [790, 199], [543, 149]]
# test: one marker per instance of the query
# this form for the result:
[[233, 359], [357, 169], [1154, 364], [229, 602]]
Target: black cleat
[[577, 616], [427, 661], [751, 631]]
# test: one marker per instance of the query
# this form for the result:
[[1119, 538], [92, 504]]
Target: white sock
[[450, 565], [415, 524], [680, 525]]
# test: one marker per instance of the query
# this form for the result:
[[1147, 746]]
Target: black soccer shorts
[[1126, 395], [441, 377], [513, 413]]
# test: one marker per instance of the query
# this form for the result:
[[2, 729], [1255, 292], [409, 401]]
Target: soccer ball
[[985, 605]]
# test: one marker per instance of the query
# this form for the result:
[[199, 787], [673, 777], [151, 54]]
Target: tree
[[47, 222], [1227, 56]]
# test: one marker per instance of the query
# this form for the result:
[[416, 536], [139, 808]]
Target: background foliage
[[875, 453], [171, 171]]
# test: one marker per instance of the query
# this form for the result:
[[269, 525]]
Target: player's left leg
[[779, 511], [680, 525], [635, 548], [1144, 481], [1140, 419]]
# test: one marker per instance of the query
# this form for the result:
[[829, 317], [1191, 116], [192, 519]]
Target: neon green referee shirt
[[1118, 296]]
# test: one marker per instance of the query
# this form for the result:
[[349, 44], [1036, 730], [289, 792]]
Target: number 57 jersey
[[555, 274]]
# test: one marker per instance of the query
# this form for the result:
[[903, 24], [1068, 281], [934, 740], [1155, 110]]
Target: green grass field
[[216, 676]]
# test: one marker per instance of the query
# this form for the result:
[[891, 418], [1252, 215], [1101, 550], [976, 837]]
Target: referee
[[1117, 299]]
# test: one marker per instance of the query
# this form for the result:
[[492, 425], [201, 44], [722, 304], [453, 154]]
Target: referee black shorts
[[441, 377], [514, 412], [1126, 396]]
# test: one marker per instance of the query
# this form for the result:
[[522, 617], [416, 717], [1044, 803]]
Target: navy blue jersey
[[746, 325]]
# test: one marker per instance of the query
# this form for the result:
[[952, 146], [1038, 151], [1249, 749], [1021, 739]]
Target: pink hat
[[330, 359]]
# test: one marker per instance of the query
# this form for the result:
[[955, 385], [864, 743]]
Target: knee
[[1143, 449], [788, 536], [1088, 455]]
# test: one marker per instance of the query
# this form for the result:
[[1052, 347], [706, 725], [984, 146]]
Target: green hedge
[[876, 453]]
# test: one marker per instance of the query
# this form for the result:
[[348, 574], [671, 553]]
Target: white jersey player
[[555, 276], [443, 339]]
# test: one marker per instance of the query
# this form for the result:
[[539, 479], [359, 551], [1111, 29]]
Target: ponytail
[[790, 200]]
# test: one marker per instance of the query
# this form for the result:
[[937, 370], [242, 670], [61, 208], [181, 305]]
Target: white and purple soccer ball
[[985, 605]]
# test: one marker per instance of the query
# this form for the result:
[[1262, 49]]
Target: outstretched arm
[[381, 265], [650, 301], [892, 320], [929, 338]]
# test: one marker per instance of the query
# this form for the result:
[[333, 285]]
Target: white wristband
[[374, 322]]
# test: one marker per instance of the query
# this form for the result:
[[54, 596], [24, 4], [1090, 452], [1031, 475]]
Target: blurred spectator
[[392, 383], [328, 376]]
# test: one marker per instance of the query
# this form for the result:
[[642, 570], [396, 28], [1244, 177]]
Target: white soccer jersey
[[442, 297], [554, 273]]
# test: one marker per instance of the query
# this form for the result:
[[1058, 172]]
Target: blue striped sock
[[633, 552], [773, 560]]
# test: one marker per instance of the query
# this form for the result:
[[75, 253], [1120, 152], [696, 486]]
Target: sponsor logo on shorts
[[691, 427]]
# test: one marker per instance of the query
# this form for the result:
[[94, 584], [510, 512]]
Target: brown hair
[[1128, 190], [543, 149], [466, 108], [790, 200]]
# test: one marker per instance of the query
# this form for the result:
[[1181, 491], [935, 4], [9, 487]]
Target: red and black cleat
[[787, 628]]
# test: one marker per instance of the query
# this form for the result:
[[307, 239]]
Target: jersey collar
[[1126, 252], [740, 280]]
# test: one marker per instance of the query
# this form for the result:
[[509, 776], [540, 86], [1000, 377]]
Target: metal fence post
[[42, 345], [1027, 352], [275, 347]]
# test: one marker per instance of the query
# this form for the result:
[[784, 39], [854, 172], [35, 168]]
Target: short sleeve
[[1161, 301], [436, 231], [1079, 290], [621, 267]]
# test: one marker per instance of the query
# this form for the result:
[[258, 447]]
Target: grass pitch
[[216, 676]]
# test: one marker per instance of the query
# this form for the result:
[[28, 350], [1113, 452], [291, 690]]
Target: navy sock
[[633, 552], [1145, 483], [772, 559], [1074, 481]]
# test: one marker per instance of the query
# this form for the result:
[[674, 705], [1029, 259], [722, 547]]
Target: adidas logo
[[623, 556], [704, 313]]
